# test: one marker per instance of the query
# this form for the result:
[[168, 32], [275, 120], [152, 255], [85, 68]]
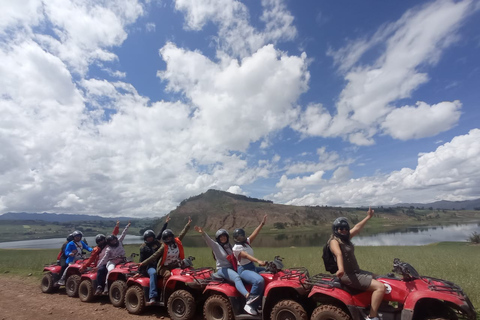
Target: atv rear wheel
[[329, 312], [135, 299], [85, 291], [71, 286], [217, 307], [48, 284], [117, 293], [288, 310], [181, 305]]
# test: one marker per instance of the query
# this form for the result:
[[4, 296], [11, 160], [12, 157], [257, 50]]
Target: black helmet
[[77, 233], [70, 237], [147, 234], [112, 241], [341, 222], [99, 238], [239, 236], [166, 234], [221, 232]]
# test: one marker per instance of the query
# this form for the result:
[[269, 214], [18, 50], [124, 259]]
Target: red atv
[[285, 293], [413, 297], [116, 281], [52, 273], [180, 293]]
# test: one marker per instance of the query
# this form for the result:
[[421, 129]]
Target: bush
[[474, 238]]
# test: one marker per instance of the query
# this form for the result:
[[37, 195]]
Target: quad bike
[[285, 293], [411, 297], [53, 273], [116, 282], [180, 292]]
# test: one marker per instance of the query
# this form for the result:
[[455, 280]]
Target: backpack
[[329, 259]]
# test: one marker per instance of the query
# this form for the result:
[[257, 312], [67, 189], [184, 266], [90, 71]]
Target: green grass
[[453, 261]]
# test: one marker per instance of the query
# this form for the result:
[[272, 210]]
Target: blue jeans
[[152, 272], [249, 274], [231, 275]]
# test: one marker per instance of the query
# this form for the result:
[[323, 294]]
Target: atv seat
[[337, 284]]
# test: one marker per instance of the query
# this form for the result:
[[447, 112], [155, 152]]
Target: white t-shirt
[[237, 248], [172, 255]]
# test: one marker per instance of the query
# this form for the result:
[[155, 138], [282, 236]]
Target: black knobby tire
[[135, 299], [72, 284], [116, 293], [48, 284], [181, 305], [86, 291], [288, 310], [329, 312], [217, 307]]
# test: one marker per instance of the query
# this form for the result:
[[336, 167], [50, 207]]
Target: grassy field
[[454, 261]]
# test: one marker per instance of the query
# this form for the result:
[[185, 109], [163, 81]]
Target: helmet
[[99, 238], [77, 233], [112, 241], [166, 234], [221, 232], [147, 234], [70, 237], [341, 222], [239, 236]]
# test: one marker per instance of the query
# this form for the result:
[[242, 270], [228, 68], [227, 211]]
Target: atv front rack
[[299, 274], [435, 284]]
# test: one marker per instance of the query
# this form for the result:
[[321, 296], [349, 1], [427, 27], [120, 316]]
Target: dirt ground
[[21, 298]]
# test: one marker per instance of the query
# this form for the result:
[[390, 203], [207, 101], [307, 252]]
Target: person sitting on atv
[[246, 268], [225, 260], [114, 254], [167, 256], [147, 249], [98, 252], [61, 257], [349, 271], [73, 252]]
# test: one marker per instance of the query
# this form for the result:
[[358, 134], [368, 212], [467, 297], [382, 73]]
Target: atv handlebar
[[405, 269]]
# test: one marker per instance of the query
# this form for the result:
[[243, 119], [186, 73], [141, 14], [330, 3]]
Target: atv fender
[[223, 288], [287, 285], [340, 295], [52, 269], [414, 297], [142, 281]]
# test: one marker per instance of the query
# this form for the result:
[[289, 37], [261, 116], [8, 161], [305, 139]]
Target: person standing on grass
[[114, 254], [169, 253], [150, 245], [98, 252], [349, 271], [73, 252], [223, 253], [246, 268]]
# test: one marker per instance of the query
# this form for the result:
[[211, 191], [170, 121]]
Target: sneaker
[[151, 302], [61, 282], [252, 298], [98, 291], [248, 309], [374, 318]]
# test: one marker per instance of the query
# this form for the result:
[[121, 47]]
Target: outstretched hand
[[118, 223], [264, 219], [370, 212], [198, 229], [189, 220], [167, 219]]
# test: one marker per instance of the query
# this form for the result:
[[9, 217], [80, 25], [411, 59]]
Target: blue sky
[[128, 107]]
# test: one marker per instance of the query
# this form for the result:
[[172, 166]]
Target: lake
[[408, 236]]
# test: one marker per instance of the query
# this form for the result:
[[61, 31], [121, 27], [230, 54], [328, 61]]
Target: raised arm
[[124, 232], [185, 229], [116, 230], [359, 226], [159, 236], [257, 230], [211, 243]]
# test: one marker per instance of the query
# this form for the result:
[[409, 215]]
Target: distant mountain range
[[447, 205], [57, 217]]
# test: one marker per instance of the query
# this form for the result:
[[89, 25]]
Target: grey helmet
[[221, 232], [341, 223], [77, 233]]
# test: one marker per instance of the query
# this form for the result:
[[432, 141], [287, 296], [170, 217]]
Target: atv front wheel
[[181, 305], [135, 300], [217, 307], [71, 286], [329, 312], [117, 293], [288, 310], [48, 284], [85, 291]]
